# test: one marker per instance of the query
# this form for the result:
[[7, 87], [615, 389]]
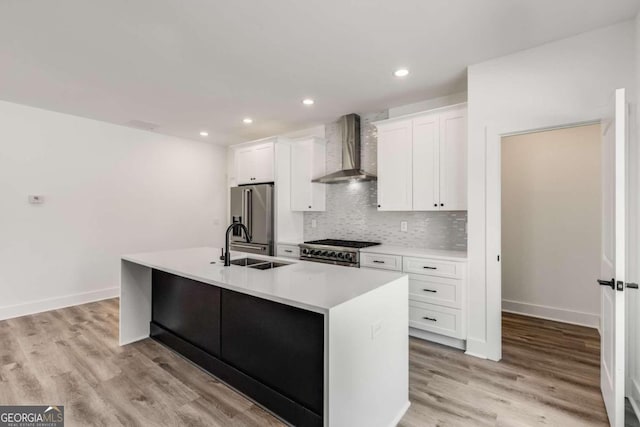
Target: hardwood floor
[[549, 376]]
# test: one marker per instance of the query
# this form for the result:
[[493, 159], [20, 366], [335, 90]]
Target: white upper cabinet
[[308, 161], [394, 166], [453, 160], [426, 163], [254, 163], [422, 161]]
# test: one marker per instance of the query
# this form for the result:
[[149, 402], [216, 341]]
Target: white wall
[[567, 81], [551, 220], [108, 190]]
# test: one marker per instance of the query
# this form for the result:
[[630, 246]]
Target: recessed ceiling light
[[308, 101], [401, 72], [204, 133], [247, 120]]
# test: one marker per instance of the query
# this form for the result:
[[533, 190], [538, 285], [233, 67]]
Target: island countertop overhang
[[311, 286]]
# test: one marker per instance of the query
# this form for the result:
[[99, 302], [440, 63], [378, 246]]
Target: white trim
[[590, 320], [419, 113], [33, 307], [635, 392], [437, 338], [555, 127], [477, 348], [398, 417]]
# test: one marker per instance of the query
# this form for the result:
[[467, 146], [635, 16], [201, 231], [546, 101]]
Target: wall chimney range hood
[[350, 125]]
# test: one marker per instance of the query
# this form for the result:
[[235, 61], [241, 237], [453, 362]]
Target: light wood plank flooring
[[549, 376]]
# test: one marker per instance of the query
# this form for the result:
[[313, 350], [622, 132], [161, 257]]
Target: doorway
[[551, 224]]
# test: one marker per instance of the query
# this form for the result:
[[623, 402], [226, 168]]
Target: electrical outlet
[[403, 225], [314, 224]]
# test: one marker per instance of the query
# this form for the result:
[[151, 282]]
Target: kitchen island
[[316, 344]]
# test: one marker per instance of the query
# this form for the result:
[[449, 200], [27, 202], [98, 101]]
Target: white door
[[612, 269], [394, 166], [453, 160], [426, 160]]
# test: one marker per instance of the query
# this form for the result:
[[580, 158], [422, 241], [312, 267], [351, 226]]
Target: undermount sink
[[259, 264], [244, 262], [268, 265]]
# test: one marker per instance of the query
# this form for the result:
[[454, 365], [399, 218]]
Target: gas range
[[333, 251]]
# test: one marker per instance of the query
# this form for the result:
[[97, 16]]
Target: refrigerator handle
[[249, 217], [243, 219]]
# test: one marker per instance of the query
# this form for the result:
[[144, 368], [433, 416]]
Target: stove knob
[[324, 253], [332, 254], [313, 252], [348, 257], [340, 255], [305, 251]]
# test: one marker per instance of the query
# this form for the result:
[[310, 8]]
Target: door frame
[[493, 152]]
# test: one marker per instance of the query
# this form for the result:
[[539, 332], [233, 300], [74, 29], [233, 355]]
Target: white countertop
[[417, 252], [309, 285]]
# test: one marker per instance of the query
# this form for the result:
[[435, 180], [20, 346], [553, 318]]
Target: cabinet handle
[[430, 268], [378, 262], [289, 251], [430, 290], [441, 204], [379, 206], [430, 318], [309, 206], [435, 205]]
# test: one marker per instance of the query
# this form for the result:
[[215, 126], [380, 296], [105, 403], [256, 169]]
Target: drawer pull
[[430, 318], [430, 268], [289, 251], [430, 290], [378, 261]]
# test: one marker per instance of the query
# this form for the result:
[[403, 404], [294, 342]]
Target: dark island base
[[287, 409], [271, 352]]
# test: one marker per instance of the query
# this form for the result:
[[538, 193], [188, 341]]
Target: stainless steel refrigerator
[[252, 205]]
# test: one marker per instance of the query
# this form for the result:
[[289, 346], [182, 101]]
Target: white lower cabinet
[[384, 262], [436, 290], [437, 294], [288, 251], [436, 319]]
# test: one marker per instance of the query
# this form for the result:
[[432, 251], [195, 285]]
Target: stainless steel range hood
[[351, 171]]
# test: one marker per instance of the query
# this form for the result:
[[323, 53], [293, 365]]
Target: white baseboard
[[437, 338], [400, 415], [477, 348], [32, 307], [590, 320]]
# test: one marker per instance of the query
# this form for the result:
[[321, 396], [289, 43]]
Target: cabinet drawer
[[433, 267], [436, 319], [386, 262], [290, 251], [436, 290]]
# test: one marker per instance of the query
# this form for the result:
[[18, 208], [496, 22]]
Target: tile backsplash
[[351, 211]]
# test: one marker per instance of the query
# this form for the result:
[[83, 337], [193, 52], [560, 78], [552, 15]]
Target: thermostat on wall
[[36, 200]]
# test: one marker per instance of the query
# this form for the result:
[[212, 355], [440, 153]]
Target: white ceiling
[[199, 65]]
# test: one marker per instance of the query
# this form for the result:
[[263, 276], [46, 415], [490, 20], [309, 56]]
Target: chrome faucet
[[247, 237]]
